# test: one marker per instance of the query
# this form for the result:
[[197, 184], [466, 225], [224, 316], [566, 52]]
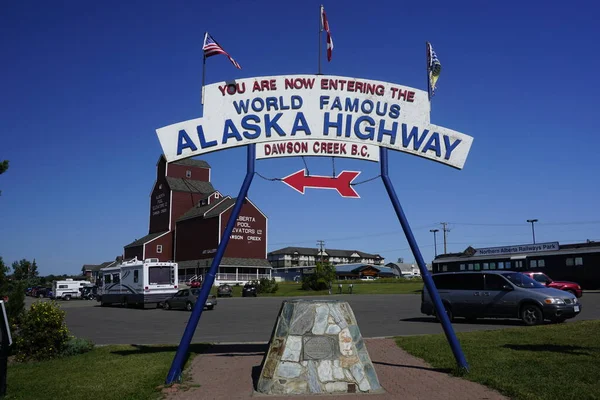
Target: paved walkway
[[227, 372]]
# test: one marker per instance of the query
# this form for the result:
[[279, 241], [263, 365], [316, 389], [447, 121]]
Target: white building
[[306, 256]]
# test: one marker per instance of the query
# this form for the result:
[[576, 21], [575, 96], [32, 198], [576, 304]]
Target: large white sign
[[315, 107]]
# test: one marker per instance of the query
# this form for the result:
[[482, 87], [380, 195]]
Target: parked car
[[249, 290], [500, 294], [44, 292], [224, 290], [185, 299], [195, 284], [89, 292], [544, 279]]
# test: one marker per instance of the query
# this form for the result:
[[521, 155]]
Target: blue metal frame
[[174, 374], [427, 280]]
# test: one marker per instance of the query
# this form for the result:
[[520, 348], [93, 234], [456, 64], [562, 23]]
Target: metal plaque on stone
[[319, 348]]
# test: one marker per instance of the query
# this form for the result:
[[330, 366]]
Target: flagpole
[[203, 77], [203, 69], [320, 32], [427, 54]]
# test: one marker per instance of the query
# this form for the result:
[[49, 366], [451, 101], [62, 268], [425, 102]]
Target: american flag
[[212, 48], [325, 27]]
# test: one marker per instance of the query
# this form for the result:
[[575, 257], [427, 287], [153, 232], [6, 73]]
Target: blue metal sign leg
[[427, 280], [180, 356]]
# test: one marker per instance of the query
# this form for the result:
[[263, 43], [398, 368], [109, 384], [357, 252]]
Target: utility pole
[[532, 221], [445, 229], [434, 240], [321, 244]]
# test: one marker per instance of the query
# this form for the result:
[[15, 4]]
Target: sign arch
[[293, 113]]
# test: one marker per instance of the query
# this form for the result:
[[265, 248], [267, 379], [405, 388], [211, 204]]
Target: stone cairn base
[[316, 348]]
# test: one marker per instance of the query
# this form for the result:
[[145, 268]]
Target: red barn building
[[187, 220]]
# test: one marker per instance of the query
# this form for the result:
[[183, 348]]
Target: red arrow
[[299, 181]]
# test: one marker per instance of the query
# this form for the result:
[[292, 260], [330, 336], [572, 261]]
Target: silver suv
[[500, 294]]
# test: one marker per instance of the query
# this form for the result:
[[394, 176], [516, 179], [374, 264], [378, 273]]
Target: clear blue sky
[[85, 85]]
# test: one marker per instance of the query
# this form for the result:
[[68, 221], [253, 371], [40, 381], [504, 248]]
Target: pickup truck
[[544, 279]]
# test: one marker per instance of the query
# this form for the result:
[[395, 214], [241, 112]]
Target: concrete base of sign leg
[[316, 348]]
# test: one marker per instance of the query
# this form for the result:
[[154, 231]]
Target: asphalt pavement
[[243, 320]]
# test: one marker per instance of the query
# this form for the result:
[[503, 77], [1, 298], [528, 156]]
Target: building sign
[[160, 204], [298, 110], [525, 248], [244, 229]]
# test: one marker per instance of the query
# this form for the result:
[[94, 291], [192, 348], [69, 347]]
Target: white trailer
[[135, 282], [68, 289]]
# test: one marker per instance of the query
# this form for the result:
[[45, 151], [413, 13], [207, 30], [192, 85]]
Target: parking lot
[[251, 319]]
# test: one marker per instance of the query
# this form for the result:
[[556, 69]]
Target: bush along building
[[306, 256], [187, 220]]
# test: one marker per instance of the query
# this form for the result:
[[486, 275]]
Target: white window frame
[[159, 248]]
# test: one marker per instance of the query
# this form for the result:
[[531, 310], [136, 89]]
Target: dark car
[[43, 292], [224, 290], [89, 292], [544, 279], [249, 290], [185, 299]]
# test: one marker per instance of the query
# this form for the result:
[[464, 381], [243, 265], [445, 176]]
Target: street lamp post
[[532, 221], [434, 240]]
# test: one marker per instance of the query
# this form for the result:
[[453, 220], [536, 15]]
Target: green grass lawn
[[105, 373], [543, 362], [295, 289]]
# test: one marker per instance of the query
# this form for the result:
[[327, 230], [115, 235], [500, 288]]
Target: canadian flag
[[325, 27]]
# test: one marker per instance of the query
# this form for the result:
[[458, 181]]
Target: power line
[[333, 239], [539, 223]]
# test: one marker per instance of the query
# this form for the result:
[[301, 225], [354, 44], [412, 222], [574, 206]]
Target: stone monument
[[316, 348]]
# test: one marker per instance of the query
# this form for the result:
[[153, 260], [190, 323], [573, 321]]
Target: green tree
[[15, 307], [321, 279], [15, 291], [25, 270], [4, 270], [3, 168], [21, 269]]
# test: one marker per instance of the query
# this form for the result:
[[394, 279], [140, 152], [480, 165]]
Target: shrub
[[321, 278], [42, 334], [77, 346], [266, 285]]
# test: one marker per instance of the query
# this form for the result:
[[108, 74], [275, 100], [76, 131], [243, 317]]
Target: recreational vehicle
[[146, 283], [68, 289]]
